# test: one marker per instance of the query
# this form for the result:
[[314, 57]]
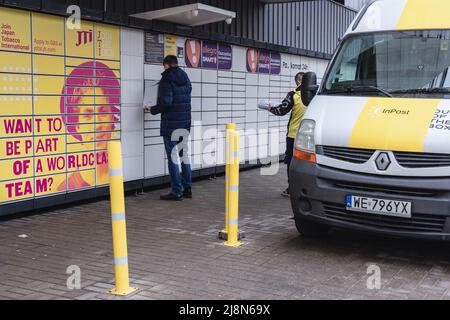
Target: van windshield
[[400, 63]]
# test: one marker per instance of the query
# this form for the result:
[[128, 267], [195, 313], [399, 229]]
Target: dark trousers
[[289, 153], [178, 182]]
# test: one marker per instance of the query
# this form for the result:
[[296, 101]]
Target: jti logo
[[84, 37]]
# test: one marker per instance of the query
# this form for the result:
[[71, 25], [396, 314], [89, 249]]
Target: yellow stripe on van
[[394, 124], [421, 14]]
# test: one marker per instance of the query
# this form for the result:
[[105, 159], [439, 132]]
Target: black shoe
[[187, 193], [171, 197]]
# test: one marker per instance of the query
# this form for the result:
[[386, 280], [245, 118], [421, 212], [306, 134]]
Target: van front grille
[[422, 160], [417, 223], [412, 160], [346, 154]]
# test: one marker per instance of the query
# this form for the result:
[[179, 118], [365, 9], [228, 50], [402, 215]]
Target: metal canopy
[[191, 15]]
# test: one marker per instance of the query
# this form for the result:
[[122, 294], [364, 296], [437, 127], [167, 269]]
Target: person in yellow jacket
[[292, 103]]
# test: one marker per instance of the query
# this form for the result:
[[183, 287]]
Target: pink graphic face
[[90, 108], [91, 79]]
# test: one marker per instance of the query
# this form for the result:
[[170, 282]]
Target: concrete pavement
[[174, 252]]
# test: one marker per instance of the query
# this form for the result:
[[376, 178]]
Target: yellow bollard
[[119, 228], [230, 127], [233, 193]]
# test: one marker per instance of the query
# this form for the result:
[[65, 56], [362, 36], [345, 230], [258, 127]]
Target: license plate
[[385, 207]]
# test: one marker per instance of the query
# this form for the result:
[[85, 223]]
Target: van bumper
[[319, 193]]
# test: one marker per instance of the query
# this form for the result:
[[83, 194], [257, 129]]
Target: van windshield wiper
[[351, 89], [423, 91]]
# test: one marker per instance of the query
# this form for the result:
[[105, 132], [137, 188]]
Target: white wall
[[218, 97], [132, 118]]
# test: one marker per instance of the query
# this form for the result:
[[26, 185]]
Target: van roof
[[383, 15]]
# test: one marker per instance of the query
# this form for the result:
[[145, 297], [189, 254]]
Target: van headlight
[[305, 147]]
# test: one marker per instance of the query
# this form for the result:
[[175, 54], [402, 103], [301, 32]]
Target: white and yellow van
[[373, 150]]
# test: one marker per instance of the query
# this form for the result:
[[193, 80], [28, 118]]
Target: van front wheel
[[310, 229]]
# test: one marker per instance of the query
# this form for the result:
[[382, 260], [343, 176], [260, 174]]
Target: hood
[[393, 124], [176, 75]]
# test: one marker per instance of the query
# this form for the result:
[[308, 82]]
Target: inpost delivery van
[[373, 150]]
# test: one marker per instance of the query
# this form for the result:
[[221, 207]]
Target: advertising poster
[[264, 62], [180, 53], [170, 45], [209, 54], [193, 53], [225, 57], [275, 63], [252, 60], [61, 106], [154, 47], [15, 30]]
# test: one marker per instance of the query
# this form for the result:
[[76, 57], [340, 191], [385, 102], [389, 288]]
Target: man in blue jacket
[[174, 105]]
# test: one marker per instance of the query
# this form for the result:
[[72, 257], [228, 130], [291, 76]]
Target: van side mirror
[[309, 87]]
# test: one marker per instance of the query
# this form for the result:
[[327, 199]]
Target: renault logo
[[383, 161]]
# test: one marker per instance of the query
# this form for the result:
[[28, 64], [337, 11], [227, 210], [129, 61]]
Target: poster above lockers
[[154, 47], [263, 61], [208, 54], [195, 53]]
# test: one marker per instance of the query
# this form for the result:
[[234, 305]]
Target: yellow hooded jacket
[[292, 102]]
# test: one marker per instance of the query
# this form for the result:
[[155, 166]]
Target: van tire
[[310, 229]]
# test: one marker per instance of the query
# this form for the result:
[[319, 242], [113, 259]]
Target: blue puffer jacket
[[174, 101]]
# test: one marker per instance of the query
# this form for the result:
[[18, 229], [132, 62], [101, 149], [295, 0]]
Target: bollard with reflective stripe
[[233, 193], [230, 127], [119, 229]]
